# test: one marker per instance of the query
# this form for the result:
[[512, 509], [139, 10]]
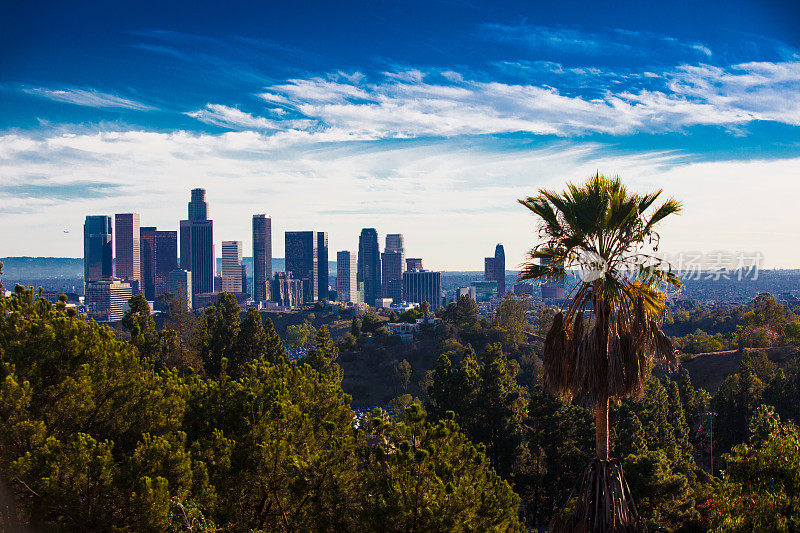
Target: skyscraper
[[322, 265], [262, 257], [197, 244], [494, 269], [232, 266], [394, 242], [369, 264], [346, 276], [159, 257], [127, 248], [423, 286], [414, 263], [301, 261], [97, 252]]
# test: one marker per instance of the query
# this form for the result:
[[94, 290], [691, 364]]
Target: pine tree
[[139, 322], [276, 352], [322, 357]]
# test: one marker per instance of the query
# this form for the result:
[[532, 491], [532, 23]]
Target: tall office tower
[[393, 264], [127, 247], [301, 261], [179, 283], [97, 253], [413, 263], [106, 299], [494, 269], [394, 242], [287, 291], [369, 264], [159, 257], [197, 244], [346, 277], [322, 265], [262, 257], [244, 279], [232, 266], [423, 286]]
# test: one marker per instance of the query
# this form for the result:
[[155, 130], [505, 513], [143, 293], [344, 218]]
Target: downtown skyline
[[431, 121]]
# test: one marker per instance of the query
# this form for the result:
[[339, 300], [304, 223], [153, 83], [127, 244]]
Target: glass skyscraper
[[197, 244], [301, 261], [97, 248], [262, 257], [494, 269], [127, 249], [322, 265], [369, 264]]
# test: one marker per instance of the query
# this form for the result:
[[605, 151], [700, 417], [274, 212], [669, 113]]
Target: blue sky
[[426, 118]]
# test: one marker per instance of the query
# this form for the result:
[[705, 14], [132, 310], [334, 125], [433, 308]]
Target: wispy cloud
[[87, 97], [429, 103], [581, 42]]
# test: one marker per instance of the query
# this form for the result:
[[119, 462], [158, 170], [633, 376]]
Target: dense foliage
[[98, 436]]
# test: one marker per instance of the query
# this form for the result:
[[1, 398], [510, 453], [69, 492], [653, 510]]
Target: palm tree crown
[[609, 234]]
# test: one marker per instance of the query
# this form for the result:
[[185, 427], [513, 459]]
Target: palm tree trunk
[[601, 429]]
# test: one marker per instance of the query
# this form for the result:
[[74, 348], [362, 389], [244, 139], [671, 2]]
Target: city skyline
[[434, 132]]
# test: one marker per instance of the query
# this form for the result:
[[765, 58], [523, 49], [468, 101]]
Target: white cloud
[[87, 97], [452, 199], [412, 103]]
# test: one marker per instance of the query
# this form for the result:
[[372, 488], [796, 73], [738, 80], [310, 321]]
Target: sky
[[426, 118]]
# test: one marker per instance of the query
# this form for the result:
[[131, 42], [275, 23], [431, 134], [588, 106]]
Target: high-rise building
[[369, 264], [97, 252], [179, 283], [262, 257], [322, 265], [287, 291], [159, 257], [394, 243], [423, 286], [346, 277], [107, 299], [197, 244], [414, 263], [127, 247], [494, 269], [244, 279], [232, 266], [393, 264], [301, 261]]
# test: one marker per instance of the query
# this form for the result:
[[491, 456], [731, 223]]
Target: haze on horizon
[[423, 118]]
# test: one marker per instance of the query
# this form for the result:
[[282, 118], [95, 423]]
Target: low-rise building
[[107, 300]]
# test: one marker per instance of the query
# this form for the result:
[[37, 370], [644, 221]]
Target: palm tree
[[601, 346]]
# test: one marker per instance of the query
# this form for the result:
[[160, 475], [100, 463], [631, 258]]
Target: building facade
[[494, 269], [323, 280], [346, 277], [159, 257], [423, 286], [262, 257], [287, 291], [414, 263], [128, 263], [107, 299], [179, 283], [484, 290], [232, 266], [97, 252], [197, 244], [369, 264], [301, 261], [393, 264]]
